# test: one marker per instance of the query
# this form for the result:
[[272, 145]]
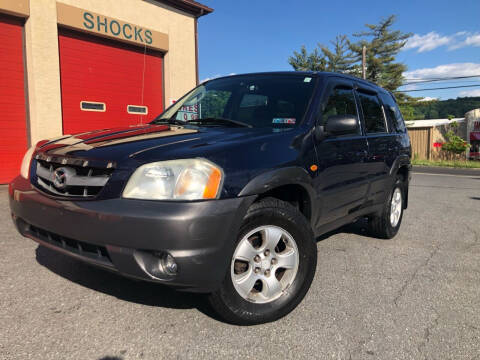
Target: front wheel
[[272, 266]]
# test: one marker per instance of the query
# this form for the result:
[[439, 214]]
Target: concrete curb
[[445, 170]]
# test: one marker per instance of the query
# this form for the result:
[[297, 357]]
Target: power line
[[439, 88], [443, 78], [426, 80]]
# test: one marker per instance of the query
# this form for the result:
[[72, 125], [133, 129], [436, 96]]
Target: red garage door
[[13, 125], [107, 83]]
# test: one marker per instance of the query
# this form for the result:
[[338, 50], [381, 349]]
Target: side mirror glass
[[342, 124]]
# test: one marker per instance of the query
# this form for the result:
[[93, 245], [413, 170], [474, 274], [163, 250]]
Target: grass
[[447, 163]]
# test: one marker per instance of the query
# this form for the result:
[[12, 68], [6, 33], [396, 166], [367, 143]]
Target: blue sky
[[248, 36]]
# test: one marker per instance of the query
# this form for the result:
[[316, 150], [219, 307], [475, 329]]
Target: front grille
[[68, 177], [94, 252]]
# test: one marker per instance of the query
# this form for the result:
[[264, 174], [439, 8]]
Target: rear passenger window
[[393, 112], [372, 113], [340, 102]]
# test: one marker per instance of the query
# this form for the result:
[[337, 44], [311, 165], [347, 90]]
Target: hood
[[125, 141], [151, 142]]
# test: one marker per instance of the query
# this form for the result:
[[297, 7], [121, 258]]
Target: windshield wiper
[[169, 121], [221, 121]]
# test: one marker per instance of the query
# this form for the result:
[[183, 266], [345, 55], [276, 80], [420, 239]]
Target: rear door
[[382, 146], [341, 182]]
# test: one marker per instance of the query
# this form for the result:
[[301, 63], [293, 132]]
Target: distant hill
[[413, 109]]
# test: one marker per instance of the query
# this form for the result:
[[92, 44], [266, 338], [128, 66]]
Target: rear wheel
[[272, 266], [386, 224]]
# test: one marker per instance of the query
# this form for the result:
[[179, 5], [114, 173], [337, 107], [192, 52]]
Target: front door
[[342, 181]]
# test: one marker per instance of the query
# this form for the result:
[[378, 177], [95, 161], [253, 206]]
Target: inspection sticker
[[284, 121]]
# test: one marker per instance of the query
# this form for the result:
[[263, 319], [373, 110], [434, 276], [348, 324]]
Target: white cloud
[[468, 93], [433, 40], [471, 40], [427, 42], [448, 70], [428, 98]]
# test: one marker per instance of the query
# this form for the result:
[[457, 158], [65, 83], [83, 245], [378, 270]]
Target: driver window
[[340, 102]]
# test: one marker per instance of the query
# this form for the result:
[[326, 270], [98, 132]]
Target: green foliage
[[341, 59], [412, 109], [304, 61], [383, 44], [447, 163], [455, 144]]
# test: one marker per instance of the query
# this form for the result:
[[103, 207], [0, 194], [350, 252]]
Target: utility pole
[[364, 60]]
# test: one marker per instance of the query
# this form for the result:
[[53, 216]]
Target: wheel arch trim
[[270, 180]]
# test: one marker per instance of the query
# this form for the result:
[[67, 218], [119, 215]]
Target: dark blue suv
[[226, 191]]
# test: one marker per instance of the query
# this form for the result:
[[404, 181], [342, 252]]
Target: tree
[[303, 61], [341, 59], [414, 109], [382, 44]]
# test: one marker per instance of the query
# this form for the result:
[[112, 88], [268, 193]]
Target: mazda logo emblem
[[60, 178]]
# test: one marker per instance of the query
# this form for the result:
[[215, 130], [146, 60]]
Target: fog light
[[159, 264], [169, 264]]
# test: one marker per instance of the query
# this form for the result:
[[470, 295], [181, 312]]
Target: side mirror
[[341, 124]]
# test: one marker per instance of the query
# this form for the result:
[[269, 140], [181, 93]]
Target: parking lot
[[414, 297]]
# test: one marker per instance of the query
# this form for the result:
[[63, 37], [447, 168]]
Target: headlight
[[27, 158], [186, 179]]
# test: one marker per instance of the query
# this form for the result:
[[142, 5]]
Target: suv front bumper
[[124, 235]]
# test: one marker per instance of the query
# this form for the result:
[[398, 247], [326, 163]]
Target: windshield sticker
[[284, 121], [307, 79]]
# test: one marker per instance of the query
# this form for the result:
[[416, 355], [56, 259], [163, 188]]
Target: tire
[[382, 225], [276, 291]]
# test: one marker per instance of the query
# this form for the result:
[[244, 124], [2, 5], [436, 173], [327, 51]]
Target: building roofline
[[428, 123], [190, 6]]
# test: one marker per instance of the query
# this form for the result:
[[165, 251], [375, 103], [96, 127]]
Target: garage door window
[[92, 106], [137, 109]]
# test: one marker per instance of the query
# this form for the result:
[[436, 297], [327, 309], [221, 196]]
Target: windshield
[[277, 101]]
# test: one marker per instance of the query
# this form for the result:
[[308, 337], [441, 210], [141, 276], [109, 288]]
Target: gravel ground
[[414, 297]]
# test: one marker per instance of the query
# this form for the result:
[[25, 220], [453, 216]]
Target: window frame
[[342, 83], [371, 92], [392, 121]]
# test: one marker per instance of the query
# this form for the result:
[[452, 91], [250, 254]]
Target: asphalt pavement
[[414, 297]]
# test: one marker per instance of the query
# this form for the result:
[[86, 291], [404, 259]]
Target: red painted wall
[[110, 72], [13, 124]]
